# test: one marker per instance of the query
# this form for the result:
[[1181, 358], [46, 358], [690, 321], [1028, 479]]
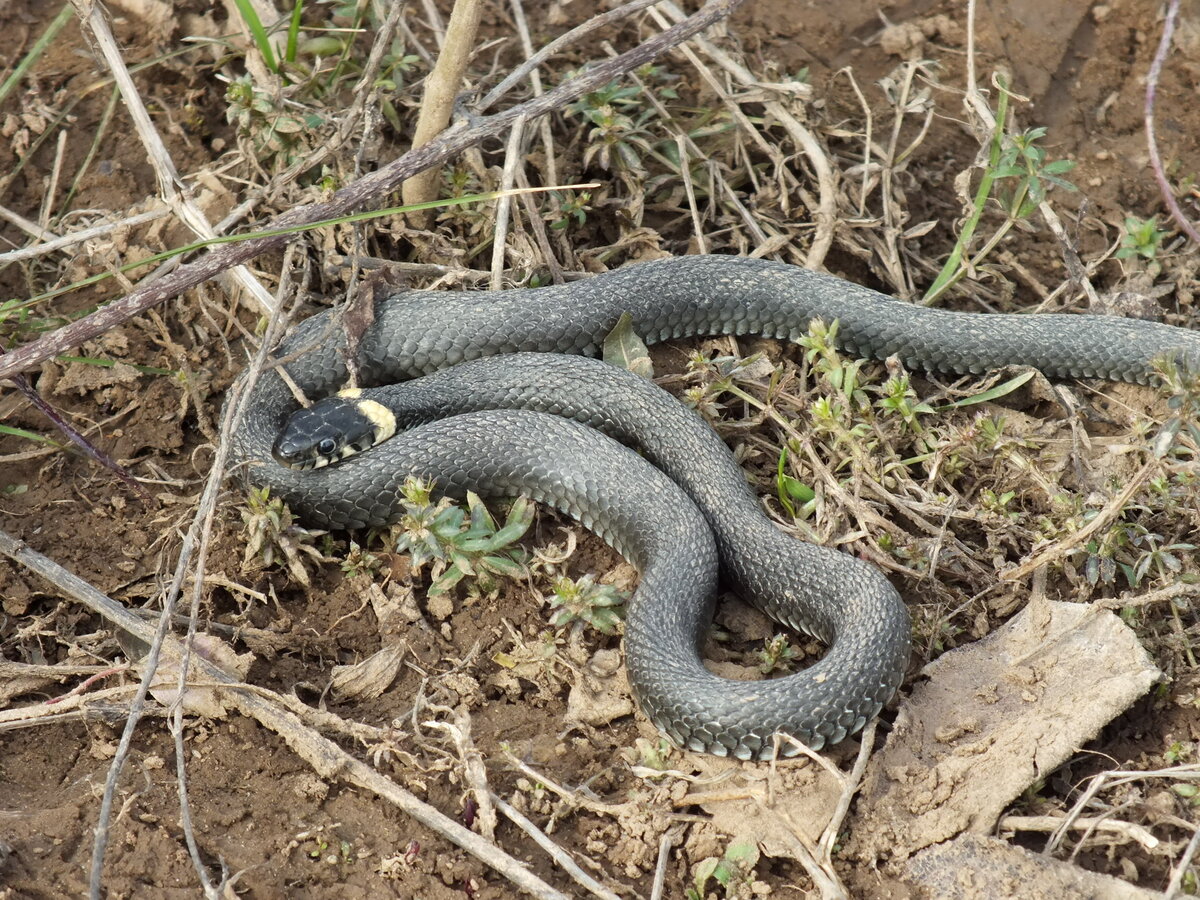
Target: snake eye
[[326, 446]]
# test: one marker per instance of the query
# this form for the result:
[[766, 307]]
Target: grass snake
[[531, 424]]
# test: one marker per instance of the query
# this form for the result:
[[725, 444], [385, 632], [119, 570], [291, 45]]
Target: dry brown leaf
[[199, 701], [600, 694], [368, 679]]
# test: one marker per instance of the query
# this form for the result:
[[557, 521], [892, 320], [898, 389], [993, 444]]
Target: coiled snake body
[[628, 502]]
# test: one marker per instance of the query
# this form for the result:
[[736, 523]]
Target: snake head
[[331, 430]]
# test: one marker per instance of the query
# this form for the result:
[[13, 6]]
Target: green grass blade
[[30, 435], [294, 229], [293, 34], [999, 390], [952, 271], [258, 32], [39, 47]]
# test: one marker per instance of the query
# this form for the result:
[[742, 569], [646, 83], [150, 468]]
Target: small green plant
[[1162, 559], [998, 503], [1142, 238], [275, 537], [476, 219], [570, 211], [821, 353], [360, 561], [621, 118], [458, 543], [1030, 174], [899, 399], [778, 653], [833, 418], [1179, 752], [731, 871], [1182, 387], [725, 375], [619, 136], [601, 606], [273, 128], [1018, 175]]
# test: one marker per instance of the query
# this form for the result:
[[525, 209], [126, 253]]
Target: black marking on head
[[329, 430]]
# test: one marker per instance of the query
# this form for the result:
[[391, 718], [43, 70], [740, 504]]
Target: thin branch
[[78, 237], [559, 855], [825, 217], [1164, 186], [535, 83], [595, 23], [358, 194], [1111, 510], [1181, 868], [95, 25], [327, 758], [512, 162], [666, 843]]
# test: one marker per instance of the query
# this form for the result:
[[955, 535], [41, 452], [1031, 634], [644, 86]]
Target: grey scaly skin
[[864, 621], [837, 597]]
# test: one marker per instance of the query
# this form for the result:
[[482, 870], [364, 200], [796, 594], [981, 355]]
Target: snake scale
[[546, 449]]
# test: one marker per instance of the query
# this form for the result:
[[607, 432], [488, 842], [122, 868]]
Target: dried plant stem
[[1102, 519], [976, 102], [512, 163], [825, 215], [1180, 869], [96, 25], [557, 853], [526, 68], [326, 757], [441, 87], [49, 243], [535, 83], [1047, 824], [356, 195], [1164, 186]]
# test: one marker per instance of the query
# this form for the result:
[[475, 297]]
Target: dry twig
[[95, 24], [441, 87], [557, 853], [1164, 186], [326, 757], [356, 195]]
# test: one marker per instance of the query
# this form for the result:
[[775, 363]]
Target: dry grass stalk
[[441, 87]]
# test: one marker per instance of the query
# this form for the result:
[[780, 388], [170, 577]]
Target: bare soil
[[261, 811]]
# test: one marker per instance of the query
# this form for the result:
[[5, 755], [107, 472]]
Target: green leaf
[[704, 871], [29, 435], [480, 517], [461, 562], [502, 565], [447, 581], [999, 390], [1059, 167], [744, 853], [796, 490], [624, 348], [724, 873], [520, 517], [448, 521]]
